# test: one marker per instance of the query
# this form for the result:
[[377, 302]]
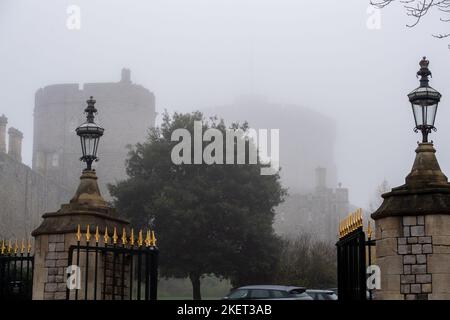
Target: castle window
[[55, 160]]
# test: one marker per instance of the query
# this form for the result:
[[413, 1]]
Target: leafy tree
[[210, 219]]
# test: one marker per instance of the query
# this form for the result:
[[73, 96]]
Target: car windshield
[[297, 292], [301, 295], [238, 294]]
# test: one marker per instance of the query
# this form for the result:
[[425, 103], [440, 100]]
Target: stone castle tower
[[127, 112]]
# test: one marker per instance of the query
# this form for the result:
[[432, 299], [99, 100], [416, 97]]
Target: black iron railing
[[354, 254], [351, 255], [16, 271], [121, 270]]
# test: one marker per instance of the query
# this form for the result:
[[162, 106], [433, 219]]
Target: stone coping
[[67, 222], [404, 201]]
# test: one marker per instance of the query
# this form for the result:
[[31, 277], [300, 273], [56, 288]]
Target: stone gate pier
[[59, 231], [413, 233]]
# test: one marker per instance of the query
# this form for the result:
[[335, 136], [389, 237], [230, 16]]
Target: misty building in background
[[24, 194], [317, 212], [307, 137], [126, 111]]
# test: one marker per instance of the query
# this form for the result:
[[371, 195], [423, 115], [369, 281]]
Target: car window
[[239, 294], [260, 294], [279, 294]]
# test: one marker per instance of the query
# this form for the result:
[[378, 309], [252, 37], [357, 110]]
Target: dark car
[[268, 292], [322, 294]]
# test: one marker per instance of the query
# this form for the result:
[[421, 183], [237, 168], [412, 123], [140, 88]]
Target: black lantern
[[424, 101], [89, 133]]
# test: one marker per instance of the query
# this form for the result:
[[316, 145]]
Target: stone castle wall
[[24, 196]]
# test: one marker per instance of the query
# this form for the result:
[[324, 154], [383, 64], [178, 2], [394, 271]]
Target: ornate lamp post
[[413, 222], [59, 230], [89, 133], [424, 102]]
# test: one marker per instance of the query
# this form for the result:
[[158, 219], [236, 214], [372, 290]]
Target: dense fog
[[200, 54]]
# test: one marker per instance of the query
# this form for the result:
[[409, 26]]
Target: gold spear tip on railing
[[124, 236], [88, 233], [22, 246], [9, 246], [153, 239], [132, 237], [369, 231], [97, 235], [78, 235], [28, 246], [350, 223], [106, 236], [148, 239], [3, 247], [140, 239], [16, 247], [115, 236]]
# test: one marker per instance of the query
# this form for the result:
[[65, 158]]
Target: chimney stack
[[125, 76], [15, 144], [3, 123], [321, 177]]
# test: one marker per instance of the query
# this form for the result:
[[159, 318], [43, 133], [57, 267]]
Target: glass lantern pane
[[418, 115], [431, 114]]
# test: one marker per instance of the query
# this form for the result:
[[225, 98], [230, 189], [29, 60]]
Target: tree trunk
[[195, 279]]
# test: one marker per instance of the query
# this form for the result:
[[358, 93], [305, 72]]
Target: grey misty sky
[[197, 53]]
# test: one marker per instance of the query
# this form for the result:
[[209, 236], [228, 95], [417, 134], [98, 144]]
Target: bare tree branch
[[417, 9]]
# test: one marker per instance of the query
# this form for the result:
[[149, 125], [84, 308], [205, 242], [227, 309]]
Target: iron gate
[[124, 269], [353, 256], [16, 271]]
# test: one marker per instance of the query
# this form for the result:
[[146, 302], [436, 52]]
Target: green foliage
[[210, 219], [307, 262]]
